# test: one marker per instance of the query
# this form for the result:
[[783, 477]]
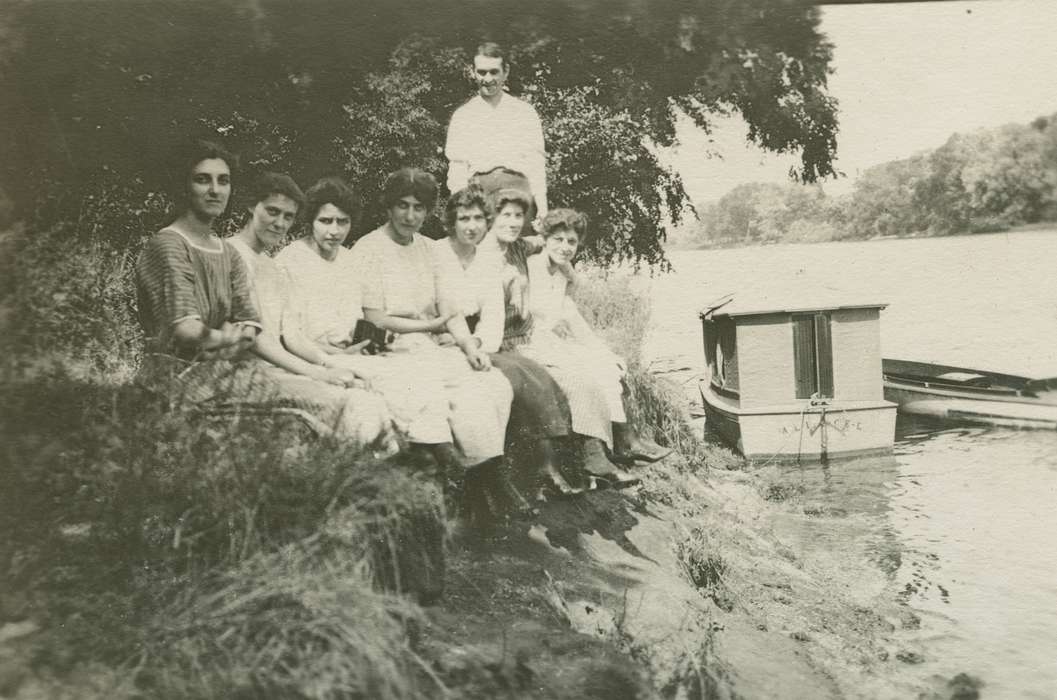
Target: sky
[[908, 75]]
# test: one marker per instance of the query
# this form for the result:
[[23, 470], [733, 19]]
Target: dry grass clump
[[70, 298], [700, 553], [773, 485], [300, 622], [241, 560], [619, 310]]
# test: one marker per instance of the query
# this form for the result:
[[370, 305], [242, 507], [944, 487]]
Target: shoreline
[[682, 587], [1022, 228], [687, 580], [678, 588]]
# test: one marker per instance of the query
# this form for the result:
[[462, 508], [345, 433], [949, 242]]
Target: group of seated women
[[463, 349]]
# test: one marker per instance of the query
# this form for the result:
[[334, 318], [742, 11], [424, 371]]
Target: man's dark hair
[[332, 190], [467, 197], [492, 50], [268, 183], [409, 181]]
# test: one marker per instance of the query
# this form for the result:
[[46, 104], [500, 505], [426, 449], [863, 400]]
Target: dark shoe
[[475, 504], [628, 446], [553, 486], [449, 470], [511, 501], [602, 473], [499, 491], [614, 478], [648, 451]]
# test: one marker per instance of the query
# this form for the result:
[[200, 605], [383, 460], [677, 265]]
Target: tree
[[882, 203], [1011, 181], [940, 194], [362, 88]]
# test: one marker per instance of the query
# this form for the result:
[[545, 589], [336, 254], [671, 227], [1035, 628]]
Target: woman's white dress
[[408, 281], [325, 306], [564, 343]]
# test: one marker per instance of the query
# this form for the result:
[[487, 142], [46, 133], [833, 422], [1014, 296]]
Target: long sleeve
[[367, 269], [547, 293], [456, 151], [493, 312], [243, 308], [536, 164]]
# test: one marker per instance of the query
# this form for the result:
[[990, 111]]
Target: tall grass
[[298, 622], [70, 301], [618, 308], [218, 558], [229, 560]]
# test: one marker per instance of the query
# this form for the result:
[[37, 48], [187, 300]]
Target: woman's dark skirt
[[539, 409]]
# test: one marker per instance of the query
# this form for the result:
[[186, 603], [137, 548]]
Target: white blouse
[[475, 289], [325, 291]]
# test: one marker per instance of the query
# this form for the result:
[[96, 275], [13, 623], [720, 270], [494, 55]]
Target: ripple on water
[[962, 520]]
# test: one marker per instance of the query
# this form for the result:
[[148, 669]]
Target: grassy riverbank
[[148, 554]]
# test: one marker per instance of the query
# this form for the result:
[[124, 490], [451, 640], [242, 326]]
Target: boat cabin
[[780, 374]]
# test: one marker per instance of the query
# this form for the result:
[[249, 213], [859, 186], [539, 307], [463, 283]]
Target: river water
[[962, 520]]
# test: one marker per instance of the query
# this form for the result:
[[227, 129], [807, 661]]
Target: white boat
[[795, 381], [969, 395]]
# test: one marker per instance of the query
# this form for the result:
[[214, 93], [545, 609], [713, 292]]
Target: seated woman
[[591, 410], [335, 287], [539, 413], [321, 320], [202, 323], [562, 340]]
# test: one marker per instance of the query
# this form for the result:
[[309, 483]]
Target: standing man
[[495, 133]]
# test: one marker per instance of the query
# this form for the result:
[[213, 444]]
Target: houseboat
[[792, 381], [971, 395]]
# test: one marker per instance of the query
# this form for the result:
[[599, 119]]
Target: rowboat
[[795, 381], [970, 395]]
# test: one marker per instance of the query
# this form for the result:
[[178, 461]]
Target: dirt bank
[[678, 589]]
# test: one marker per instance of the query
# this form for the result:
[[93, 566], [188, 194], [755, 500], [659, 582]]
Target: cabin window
[[721, 354], [813, 355]]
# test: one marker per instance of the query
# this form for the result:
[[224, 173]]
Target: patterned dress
[[178, 280], [574, 367], [517, 326]]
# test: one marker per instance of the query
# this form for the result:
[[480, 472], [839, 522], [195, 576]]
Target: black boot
[[629, 446], [500, 492], [550, 484], [600, 470], [476, 504], [450, 472]]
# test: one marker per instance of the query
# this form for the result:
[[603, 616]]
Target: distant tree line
[[989, 180]]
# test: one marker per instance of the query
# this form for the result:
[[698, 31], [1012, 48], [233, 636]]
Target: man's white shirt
[[482, 137]]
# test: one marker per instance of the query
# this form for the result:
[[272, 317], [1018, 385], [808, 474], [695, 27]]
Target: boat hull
[[953, 406], [801, 431], [1004, 400]]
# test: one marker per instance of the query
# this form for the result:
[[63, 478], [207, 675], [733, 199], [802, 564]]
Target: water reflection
[[960, 523], [959, 520]]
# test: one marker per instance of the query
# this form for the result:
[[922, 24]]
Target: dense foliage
[[989, 180], [201, 559], [97, 93]]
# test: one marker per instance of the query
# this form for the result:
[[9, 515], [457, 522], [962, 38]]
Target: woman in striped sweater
[[202, 322]]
